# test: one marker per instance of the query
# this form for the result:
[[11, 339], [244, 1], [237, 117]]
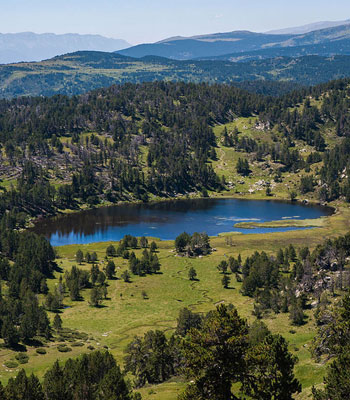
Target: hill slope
[[82, 71]]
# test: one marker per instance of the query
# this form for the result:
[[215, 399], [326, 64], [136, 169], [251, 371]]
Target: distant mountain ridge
[[220, 44], [83, 71], [299, 30], [331, 49], [29, 46]]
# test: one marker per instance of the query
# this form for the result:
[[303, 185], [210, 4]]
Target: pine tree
[[79, 256], [57, 322], [95, 297], [192, 274], [110, 269], [270, 367]]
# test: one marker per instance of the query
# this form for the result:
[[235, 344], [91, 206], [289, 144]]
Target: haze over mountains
[[267, 63], [220, 44], [29, 46], [298, 30]]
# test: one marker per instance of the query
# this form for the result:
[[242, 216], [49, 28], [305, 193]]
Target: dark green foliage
[[270, 371], [259, 271], [22, 358], [95, 297], [93, 257], [242, 167], [194, 245], [222, 267], [192, 274], [57, 322], [257, 332], [337, 380], [9, 332], [182, 241], [79, 256], [224, 351], [306, 184], [215, 353], [94, 273], [143, 242], [333, 336], [110, 269], [11, 364], [225, 281], [150, 359], [62, 348], [296, 313], [233, 264], [187, 320], [126, 276], [76, 280], [24, 388], [148, 264], [153, 247], [91, 376], [111, 251]]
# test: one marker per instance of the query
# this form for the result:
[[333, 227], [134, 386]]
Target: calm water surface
[[166, 220]]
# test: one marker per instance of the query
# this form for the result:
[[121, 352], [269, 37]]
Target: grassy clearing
[[125, 313]]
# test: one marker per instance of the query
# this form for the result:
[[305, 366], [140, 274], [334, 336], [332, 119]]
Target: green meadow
[[126, 312]]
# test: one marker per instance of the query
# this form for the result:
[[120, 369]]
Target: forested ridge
[[157, 139], [80, 72]]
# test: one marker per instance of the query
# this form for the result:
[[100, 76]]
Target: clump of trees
[[215, 351], [242, 167], [193, 245], [148, 264], [33, 261], [332, 340], [94, 376]]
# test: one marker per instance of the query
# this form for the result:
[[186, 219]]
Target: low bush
[[11, 364], [63, 348], [22, 358], [77, 344]]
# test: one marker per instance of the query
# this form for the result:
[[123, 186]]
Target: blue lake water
[[166, 220]]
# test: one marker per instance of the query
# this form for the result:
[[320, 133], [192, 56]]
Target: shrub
[[40, 350], [77, 344], [63, 348], [22, 358], [11, 364]]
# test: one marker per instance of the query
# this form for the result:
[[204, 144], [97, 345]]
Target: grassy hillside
[[83, 71]]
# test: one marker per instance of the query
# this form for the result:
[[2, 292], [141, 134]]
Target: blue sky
[[140, 21]]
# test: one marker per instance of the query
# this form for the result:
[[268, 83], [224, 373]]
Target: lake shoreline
[[226, 214]]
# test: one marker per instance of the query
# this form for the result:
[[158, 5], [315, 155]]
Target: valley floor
[[125, 313]]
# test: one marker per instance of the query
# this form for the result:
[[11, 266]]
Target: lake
[[166, 220]]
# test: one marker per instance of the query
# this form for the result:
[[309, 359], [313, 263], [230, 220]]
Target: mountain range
[[29, 46], [268, 63], [328, 41], [309, 27]]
